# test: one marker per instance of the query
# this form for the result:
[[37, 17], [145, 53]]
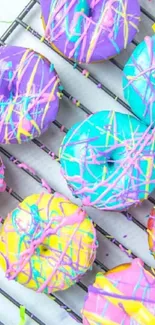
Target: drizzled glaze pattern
[[108, 160], [28, 94], [139, 80], [151, 231], [123, 296], [90, 30], [2, 181], [47, 243]]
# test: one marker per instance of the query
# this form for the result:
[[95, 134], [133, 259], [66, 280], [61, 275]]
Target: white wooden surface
[[115, 223]]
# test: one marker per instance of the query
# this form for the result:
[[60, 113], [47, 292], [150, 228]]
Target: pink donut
[[122, 296]]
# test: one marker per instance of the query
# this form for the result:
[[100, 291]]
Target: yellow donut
[[47, 243]]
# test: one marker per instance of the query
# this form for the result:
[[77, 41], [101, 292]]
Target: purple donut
[[90, 30], [28, 94]]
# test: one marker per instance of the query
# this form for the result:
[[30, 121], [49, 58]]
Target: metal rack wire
[[63, 93]]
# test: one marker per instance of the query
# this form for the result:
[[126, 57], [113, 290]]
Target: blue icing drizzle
[[82, 6], [14, 215], [51, 67], [36, 220], [34, 212], [117, 19], [28, 116], [10, 73]]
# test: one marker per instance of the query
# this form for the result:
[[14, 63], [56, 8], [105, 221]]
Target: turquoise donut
[[108, 160], [139, 81]]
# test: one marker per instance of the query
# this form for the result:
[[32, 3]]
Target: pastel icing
[[28, 94], [151, 231], [108, 160], [47, 243], [123, 296], [2, 174], [90, 30], [139, 80]]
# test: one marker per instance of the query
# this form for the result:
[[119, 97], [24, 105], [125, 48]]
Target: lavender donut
[[28, 94], [89, 30]]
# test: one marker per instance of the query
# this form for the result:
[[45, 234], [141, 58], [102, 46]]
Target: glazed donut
[[151, 231], [90, 31], [47, 243], [108, 160], [122, 296], [2, 181], [139, 80], [28, 94]]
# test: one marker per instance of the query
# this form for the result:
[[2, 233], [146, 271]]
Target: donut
[[90, 31], [108, 160], [47, 243], [151, 231], [139, 80], [123, 296], [28, 94], [2, 172]]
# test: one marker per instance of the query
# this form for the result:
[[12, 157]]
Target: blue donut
[[139, 81], [108, 160]]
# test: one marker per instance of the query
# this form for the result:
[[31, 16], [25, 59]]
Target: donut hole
[[4, 90], [8, 91], [90, 14], [13, 90], [116, 156], [106, 159], [110, 161], [8, 82], [44, 249]]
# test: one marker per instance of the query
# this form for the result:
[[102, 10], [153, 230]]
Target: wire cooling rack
[[122, 236]]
